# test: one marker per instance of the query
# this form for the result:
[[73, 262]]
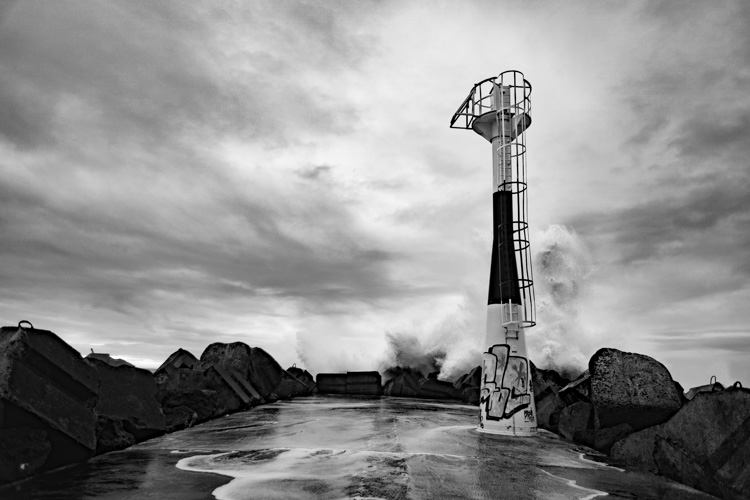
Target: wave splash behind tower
[[499, 109]]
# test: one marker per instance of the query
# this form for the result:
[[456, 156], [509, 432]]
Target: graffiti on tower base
[[505, 384]]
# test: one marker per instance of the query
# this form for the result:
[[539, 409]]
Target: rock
[[111, 435], [223, 368], [549, 404], [46, 389], [127, 395], [253, 363], [576, 423], [405, 383], [433, 388], [106, 358], [291, 387], [706, 445], [177, 360], [470, 395], [548, 412], [303, 375], [578, 390], [471, 379], [637, 449], [184, 408], [179, 373], [629, 388], [234, 391]]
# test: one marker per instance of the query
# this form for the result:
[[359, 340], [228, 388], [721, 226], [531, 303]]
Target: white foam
[[572, 484], [292, 473], [583, 458]]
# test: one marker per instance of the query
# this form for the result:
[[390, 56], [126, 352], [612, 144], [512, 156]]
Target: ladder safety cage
[[499, 109]]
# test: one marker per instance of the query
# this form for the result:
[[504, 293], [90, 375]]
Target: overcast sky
[[282, 173]]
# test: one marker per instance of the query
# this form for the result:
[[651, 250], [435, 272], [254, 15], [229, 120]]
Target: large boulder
[[629, 388], [47, 400], [578, 390], [127, 397], [577, 423], [706, 445]]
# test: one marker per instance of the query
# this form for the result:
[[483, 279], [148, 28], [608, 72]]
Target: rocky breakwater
[[628, 406], [706, 444], [227, 378], [58, 408]]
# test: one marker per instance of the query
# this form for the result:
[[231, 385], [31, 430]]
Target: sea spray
[[562, 265], [451, 347]]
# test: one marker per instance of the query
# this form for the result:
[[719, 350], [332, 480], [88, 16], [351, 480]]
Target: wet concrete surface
[[331, 448]]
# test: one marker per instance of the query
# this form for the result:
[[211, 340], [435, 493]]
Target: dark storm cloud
[[111, 194], [702, 222], [156, 81]]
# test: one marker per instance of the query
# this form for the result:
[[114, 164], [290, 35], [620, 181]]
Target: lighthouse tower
[[499, 110]]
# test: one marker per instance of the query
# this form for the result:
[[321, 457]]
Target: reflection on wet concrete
[[327, 447]]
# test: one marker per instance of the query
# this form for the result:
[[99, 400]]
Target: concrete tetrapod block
[[629, 388], [47, 393], [127, 396]]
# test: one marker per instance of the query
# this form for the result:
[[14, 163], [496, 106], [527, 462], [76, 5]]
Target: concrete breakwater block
[[191, 391], [549, 404], [349, 383], [291, 387], [127, 405], [432, 388], [303, 376], [706, 444], [331, 383], [253, 363], [47, 399], [404, 383]]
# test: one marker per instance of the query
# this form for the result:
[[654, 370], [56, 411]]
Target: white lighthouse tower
[[499, 110]]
